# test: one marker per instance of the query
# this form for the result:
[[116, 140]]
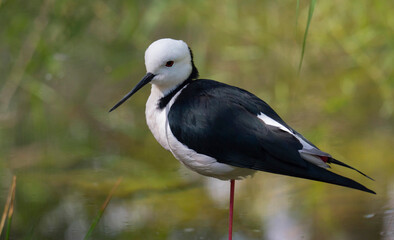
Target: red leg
[[230, 227]]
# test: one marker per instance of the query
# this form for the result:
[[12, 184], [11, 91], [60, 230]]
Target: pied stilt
[[223, 131]]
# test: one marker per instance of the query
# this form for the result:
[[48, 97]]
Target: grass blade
[[297, 12], [10, 212], [310, 14], [102, 209], [9, 207]]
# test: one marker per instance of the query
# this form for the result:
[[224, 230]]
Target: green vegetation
[[102, 209], [64, 63], [310, 14], [8, 210]]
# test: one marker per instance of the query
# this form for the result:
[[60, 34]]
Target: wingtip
[[335, 161], [369, 177]]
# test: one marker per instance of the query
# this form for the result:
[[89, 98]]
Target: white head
[[168, 63]]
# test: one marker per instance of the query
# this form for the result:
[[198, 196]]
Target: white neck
[[163, 90], [157, 118], [157, 92]]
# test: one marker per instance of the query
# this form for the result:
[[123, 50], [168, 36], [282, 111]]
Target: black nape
[[194, 74], [166, 99]]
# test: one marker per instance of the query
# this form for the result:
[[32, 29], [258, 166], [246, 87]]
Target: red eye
[[169, 63]]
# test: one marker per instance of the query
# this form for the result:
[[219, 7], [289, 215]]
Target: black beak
[[147, 78]]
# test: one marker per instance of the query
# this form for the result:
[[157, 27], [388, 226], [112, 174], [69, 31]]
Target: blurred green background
[[64, 63]]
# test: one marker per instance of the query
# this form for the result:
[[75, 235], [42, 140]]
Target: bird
[[223, 131]]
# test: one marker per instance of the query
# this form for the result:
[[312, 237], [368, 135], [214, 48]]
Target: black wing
[[221, 121]]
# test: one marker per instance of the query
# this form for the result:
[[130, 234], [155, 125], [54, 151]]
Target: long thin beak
[[147, 78]]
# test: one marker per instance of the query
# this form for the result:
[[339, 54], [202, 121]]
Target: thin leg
[[230, 225]]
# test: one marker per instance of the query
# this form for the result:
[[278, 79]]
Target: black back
[[221, 121]]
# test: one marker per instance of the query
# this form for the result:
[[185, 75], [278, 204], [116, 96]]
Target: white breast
[[158, 124], [156, 118]]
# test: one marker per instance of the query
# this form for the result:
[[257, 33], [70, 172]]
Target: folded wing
[[237, 128]]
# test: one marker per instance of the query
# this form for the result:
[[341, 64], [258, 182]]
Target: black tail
[[332, 160], [321, 174], [311, 172]]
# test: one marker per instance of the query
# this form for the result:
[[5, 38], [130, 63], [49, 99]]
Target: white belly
[[158, 124]]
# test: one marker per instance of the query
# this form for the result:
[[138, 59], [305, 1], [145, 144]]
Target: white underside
[[158, 124]]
